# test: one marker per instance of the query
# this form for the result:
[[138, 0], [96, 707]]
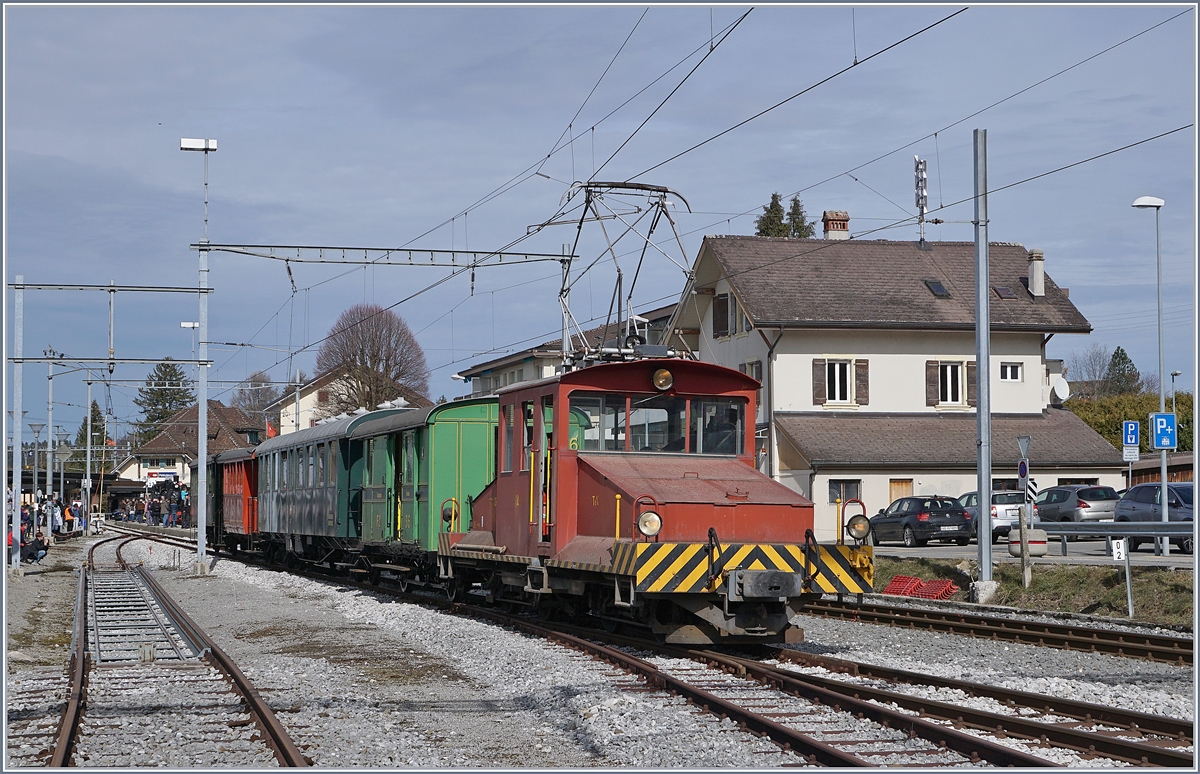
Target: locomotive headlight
[[649, 523], [858, 527], [662, 379]]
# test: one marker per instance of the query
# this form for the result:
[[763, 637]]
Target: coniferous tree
[[771, 223], [99, 438], [1122, 377], [799, 226], [167, 391]]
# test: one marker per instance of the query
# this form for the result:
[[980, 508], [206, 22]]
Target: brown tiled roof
[[227, 428], [881, 284], [850, 440]]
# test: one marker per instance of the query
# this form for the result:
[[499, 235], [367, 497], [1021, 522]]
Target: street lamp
[[1145, 203], [36, 427], [61, 454], [206, 146], [193, 326], [1173, 375]]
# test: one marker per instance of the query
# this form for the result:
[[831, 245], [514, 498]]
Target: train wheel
[[455, 589]]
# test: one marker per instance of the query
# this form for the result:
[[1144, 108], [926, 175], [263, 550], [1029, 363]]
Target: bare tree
[[1088, 370], [377, 357], [255, 394]]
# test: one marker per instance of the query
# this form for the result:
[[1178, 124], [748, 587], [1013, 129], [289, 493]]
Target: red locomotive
[[628, 491]]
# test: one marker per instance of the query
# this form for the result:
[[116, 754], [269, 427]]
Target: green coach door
[[408, 487], [378, 497]]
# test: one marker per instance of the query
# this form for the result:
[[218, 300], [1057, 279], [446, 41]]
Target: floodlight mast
[[200, 487]]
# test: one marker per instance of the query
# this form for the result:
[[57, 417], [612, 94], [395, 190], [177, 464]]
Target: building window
[[844, 489], [950, 383], [837, 381], [1010, 372]]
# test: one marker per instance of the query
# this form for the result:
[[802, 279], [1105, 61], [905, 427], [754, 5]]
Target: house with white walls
[[866, 352]]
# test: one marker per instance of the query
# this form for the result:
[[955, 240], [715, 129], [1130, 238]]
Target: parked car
[[917, 520], [1006, 509], [1143, 503], [1077, 502]]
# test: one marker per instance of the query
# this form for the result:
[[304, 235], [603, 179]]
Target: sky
[[464, 127]]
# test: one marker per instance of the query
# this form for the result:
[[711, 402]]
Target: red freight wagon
[[239, 484]]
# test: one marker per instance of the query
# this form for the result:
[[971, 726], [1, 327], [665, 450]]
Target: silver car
[[1143, 503], [1006, 509], [1077, 503]]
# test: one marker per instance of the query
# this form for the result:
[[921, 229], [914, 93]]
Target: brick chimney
[[1037, 273], [837, 224]]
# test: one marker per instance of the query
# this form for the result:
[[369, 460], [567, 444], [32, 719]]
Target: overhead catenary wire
[[935, 134], [781, 103]]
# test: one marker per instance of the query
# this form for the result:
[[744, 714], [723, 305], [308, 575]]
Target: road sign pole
[[1129, 585]]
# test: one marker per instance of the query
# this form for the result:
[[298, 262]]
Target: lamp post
[[61, 454], [1173, 375], [36, 427], [193, 326], [1145, 203], [206, 146]]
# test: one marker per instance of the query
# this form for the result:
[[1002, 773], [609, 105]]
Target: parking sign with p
[[1162, 431], [1133, 433]]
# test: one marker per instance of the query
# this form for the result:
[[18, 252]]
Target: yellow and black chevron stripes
[[684, 568]]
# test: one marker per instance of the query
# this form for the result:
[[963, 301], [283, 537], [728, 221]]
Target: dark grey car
[[1143, 503], [1077, 503]]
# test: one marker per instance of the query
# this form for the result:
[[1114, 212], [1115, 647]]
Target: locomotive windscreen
[[657, 423]]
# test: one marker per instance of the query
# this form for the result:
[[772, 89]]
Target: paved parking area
[[1078, 552]]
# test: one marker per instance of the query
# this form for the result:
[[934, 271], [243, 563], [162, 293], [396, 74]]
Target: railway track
[[852, 714], [948, 723], [1152, 647], [149, 687]]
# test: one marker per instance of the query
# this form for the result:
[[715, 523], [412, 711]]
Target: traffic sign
[[1022, 475], [1162, 430], [1132, 454], [1132, 431], [1119, 549], [1032, 488]]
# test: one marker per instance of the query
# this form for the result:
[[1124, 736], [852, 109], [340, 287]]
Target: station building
[[866, 351], [166, 456]]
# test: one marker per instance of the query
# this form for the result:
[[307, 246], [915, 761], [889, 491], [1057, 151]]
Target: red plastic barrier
[[908, 586], [938, 589], [902, 585]]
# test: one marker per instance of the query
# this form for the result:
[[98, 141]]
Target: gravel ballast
[[360, 679], [363, 680]]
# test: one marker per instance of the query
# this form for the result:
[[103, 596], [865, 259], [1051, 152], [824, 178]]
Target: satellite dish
[[1061, 388]]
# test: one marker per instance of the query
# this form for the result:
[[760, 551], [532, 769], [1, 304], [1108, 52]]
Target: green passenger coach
[[372, 493], [413, 474]]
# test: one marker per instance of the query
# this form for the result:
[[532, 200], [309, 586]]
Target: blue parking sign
[[1132, 433], [1162, 431]]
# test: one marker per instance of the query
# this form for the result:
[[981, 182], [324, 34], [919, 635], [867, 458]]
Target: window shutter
[[862, 382], [819, 381], [972, 397], [931, 382], [720, 315]]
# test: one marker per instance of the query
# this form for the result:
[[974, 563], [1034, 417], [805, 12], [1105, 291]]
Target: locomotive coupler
[[741, 585]]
